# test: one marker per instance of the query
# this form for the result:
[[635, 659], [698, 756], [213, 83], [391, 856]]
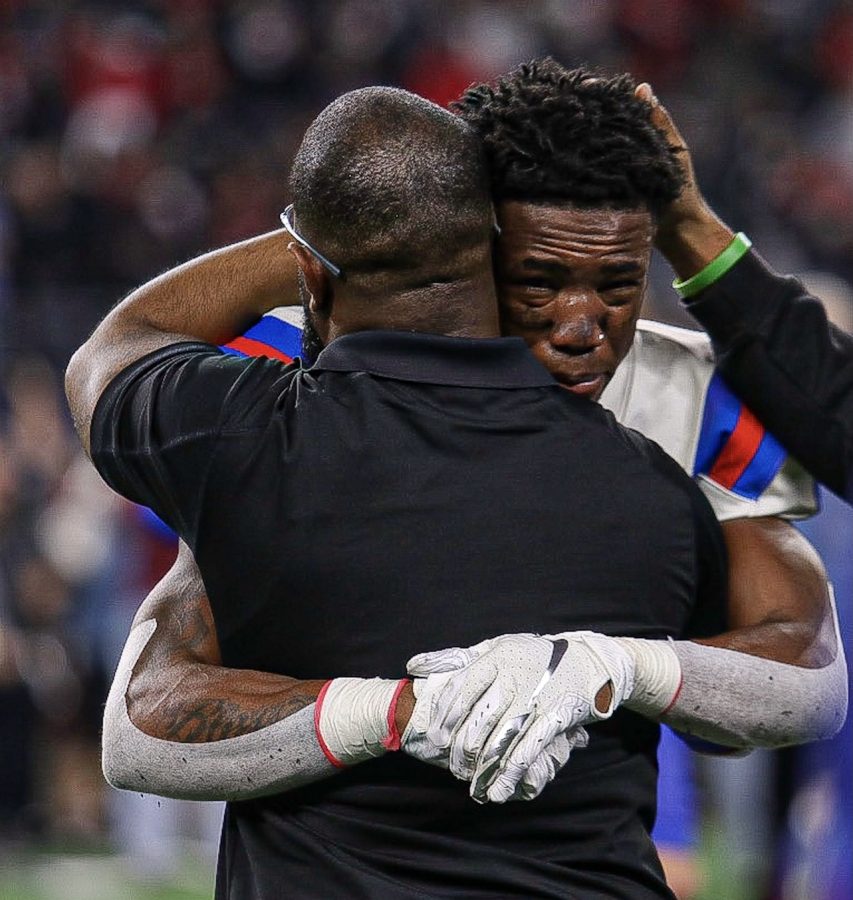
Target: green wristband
[[715, 269]]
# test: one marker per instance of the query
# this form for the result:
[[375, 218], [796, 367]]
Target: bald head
[[393, 189]]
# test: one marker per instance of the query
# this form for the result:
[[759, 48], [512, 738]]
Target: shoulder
[[658, 459], [669, 389], [665, 378], [683, 345], [666, 368], [660, 387], [667, 486], [627, 441], [187, 390]]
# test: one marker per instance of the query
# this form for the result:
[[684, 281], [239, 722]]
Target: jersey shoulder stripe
[[734, 449], [270, 336]]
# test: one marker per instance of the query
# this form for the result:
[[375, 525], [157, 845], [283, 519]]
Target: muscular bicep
[[778, 598], [179, 724], [179, 605], [178, 689]]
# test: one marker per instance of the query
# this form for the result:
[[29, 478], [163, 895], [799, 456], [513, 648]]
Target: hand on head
[[690, 204], [689, 233]]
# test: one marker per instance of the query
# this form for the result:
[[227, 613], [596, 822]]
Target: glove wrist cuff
[[354, 718], [657, 676]]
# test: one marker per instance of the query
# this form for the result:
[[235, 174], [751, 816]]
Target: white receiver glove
[[544, 768], [426, 740], [500, 704]]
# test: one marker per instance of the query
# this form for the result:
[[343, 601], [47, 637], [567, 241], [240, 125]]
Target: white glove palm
[[495, 709]]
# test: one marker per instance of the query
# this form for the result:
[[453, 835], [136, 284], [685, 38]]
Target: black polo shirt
[[407, 493]]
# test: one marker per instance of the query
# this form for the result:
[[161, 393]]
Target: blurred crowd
[[136, 134]]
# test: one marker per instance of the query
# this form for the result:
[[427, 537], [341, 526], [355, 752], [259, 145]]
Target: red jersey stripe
[[739, 450], [256, 348]]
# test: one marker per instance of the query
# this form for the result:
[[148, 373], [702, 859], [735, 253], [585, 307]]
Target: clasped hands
[[506, 713]]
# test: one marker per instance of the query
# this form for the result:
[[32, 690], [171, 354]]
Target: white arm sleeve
[[277, 758], [736, 699]]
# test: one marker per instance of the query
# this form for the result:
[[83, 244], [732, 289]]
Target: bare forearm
[[278, 757], [219, 741], [793, 643], [196, 703], [178, 724], [215, 296], [179, 691], [694, 243], [212, 298]]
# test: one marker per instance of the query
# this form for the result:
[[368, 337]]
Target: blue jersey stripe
[[274, 332], [719, 419], [762, 469], [154, 524]]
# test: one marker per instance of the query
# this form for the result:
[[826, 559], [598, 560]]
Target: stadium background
[[134, 135]]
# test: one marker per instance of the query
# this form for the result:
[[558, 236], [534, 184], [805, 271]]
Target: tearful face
[[571, 283]]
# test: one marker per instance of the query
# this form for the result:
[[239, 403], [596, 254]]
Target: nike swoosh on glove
[[500, 703]]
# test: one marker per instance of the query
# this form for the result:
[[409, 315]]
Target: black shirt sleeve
[[792, 367], [710, 614], [157, 427]]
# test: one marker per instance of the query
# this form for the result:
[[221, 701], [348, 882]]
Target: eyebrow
[[615, 268], [541, 265]]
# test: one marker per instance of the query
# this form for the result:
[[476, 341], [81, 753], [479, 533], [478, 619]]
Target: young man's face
[[571, 283]]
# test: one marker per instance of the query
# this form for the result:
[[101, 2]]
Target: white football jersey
[[668, 389]]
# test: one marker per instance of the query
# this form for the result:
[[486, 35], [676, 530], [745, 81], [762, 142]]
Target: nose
[[579, 325]]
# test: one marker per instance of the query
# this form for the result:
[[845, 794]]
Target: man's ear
[[318, 282]]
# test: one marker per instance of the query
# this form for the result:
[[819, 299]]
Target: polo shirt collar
[[436, 359]]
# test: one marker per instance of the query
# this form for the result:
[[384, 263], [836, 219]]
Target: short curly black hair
[[575, 136]]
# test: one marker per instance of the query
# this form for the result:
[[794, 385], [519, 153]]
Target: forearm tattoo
[[179, 690], [216, 719]]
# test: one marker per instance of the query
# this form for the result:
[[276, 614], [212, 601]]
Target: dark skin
[[565, 276], [778, 605], [571, 283], [220, 299], [179, 690]]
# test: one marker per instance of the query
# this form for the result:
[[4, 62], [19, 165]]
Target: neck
[[464, 308]]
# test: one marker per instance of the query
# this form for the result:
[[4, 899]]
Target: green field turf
[[95, 877], [63, 875]]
